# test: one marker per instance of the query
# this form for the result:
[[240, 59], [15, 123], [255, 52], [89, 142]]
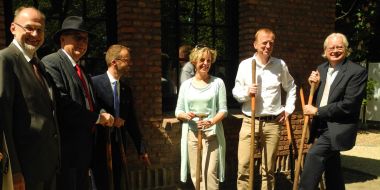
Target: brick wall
[[300, 28], [2, 25], [139, 28]]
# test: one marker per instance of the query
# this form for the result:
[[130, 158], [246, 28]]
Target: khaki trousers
[[210, 160], [267, 134]]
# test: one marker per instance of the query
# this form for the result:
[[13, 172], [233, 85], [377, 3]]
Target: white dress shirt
[[269, 78]]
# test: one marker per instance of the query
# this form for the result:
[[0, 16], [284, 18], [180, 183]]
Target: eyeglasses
[[338, 48], [30, 29], [125, 60]]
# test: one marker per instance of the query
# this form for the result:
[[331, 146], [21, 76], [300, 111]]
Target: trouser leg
[[315, 163], [244, 154], [333, 172], [270, 138], [210, 163]]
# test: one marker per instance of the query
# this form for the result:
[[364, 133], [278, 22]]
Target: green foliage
[[371, 86], [356, 19]]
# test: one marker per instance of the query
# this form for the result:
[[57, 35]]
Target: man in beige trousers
[[271, 75]]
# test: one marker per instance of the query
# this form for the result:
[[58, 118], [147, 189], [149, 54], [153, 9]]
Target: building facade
[[300, 28]]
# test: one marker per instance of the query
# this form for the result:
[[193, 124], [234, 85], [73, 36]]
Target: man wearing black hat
[[76, 127]]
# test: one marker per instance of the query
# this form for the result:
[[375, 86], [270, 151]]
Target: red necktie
[[85, 87]]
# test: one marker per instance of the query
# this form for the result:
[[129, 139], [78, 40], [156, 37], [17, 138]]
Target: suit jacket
[[28, 116], [76, 122], [104, 97], [341, 114]]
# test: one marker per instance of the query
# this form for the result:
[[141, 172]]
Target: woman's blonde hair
[[197, 52]]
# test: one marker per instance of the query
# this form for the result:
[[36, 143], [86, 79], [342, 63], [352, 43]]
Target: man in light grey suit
[[340, 87], [28, 106]]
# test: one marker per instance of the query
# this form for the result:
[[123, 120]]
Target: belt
[[267, 118]]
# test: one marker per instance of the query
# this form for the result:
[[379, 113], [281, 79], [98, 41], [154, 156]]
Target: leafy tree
[[357, 19]]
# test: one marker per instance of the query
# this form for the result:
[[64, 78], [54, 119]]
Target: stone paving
[[361, 165]]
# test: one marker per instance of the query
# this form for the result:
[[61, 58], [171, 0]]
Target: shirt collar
[[337, 66], [270, 60], [26, 55], [112, 79], [70, 58]]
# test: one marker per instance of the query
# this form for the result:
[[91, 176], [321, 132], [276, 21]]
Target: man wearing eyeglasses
[[28, 100], [340, 88], [115, 96], [77, 124]]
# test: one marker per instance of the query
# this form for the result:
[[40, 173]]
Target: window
[[210, 22]]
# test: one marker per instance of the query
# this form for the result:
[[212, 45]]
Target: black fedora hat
[[75, 23]]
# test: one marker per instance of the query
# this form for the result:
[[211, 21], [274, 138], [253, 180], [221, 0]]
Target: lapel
[[337, 80], [123, 95], [323, 73], [72, 73], [69, 69], [106, 86], [25, 70], [338, 77], [46, 79]]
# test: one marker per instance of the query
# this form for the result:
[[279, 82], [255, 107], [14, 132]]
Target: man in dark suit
[[115, 97], [77, 124], [340, 90], [28, 106]]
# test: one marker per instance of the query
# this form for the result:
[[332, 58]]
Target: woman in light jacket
[[203, 94]]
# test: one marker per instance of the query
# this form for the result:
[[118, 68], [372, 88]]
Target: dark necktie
[[37, 72], [85, 87], [116, 100]]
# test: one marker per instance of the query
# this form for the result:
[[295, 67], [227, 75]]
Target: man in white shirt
[[271, 75]]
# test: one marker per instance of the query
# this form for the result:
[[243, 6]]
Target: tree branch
[[346, 13]]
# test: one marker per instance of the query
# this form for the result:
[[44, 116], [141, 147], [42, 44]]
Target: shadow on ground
[[358, 169], [354, 176]]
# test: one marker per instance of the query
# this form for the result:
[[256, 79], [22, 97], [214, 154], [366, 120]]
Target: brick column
[[139, 27]]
